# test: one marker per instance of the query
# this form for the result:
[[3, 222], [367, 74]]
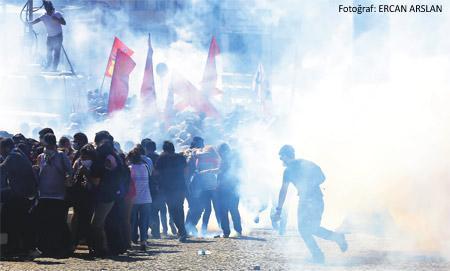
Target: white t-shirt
[[53, 26]]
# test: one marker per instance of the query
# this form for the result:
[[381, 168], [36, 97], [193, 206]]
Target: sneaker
[[183, 239], [134, 243], [173, 229], [143, 246], [341, 242], [33, 254]]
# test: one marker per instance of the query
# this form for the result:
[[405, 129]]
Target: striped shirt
[[139, 175]]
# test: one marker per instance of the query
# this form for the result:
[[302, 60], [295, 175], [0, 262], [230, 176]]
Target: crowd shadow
[[40, 261], [44, 262], [249, 238], [119, 258], [133, 256], [192, 241], [161, 245]]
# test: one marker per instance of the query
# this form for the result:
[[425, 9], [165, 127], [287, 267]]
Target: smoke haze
[[369, 106]]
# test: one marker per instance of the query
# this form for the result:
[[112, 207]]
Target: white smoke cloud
[[370, 110]]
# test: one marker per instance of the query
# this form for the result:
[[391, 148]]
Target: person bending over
[[307, 177]]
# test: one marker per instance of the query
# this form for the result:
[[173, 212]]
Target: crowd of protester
[[115, 198]]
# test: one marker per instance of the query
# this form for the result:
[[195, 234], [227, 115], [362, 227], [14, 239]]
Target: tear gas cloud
[[369, 106], [370, 109]]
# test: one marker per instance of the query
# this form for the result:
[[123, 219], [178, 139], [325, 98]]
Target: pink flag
[[209, 81], [148, 94], [118, 92], [190, 96]]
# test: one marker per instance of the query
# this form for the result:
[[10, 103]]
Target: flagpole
[[103, 81], [107, 65]]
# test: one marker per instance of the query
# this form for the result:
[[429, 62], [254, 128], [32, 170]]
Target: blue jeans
[[54, 45], [228, 202], [140, 215], [309, 217]]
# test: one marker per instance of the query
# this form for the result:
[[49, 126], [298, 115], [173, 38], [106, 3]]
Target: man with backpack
[[111, 178], [55, 172]]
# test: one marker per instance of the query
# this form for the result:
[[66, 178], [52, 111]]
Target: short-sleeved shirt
[[306, 177], [53, 26]]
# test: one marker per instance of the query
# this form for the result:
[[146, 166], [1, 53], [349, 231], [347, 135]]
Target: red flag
[[209, 80], [148, 84], [118, 92], [118, 44], [190, 96]]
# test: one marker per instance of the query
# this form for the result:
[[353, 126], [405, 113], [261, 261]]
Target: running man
[[306, 176]]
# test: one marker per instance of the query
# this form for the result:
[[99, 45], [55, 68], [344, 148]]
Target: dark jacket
[[171, 172], [154, 181], [18, 171]]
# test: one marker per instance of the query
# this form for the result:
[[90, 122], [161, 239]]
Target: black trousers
[[204, 206], [17, 223], [309, 217], [228, 202], [54, 45], [116, 229], [54, 237], [83, 206], [175, 202]]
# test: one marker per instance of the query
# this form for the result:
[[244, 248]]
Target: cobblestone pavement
[[259, 250]]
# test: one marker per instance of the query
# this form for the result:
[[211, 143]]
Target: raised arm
[[35, 21]]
